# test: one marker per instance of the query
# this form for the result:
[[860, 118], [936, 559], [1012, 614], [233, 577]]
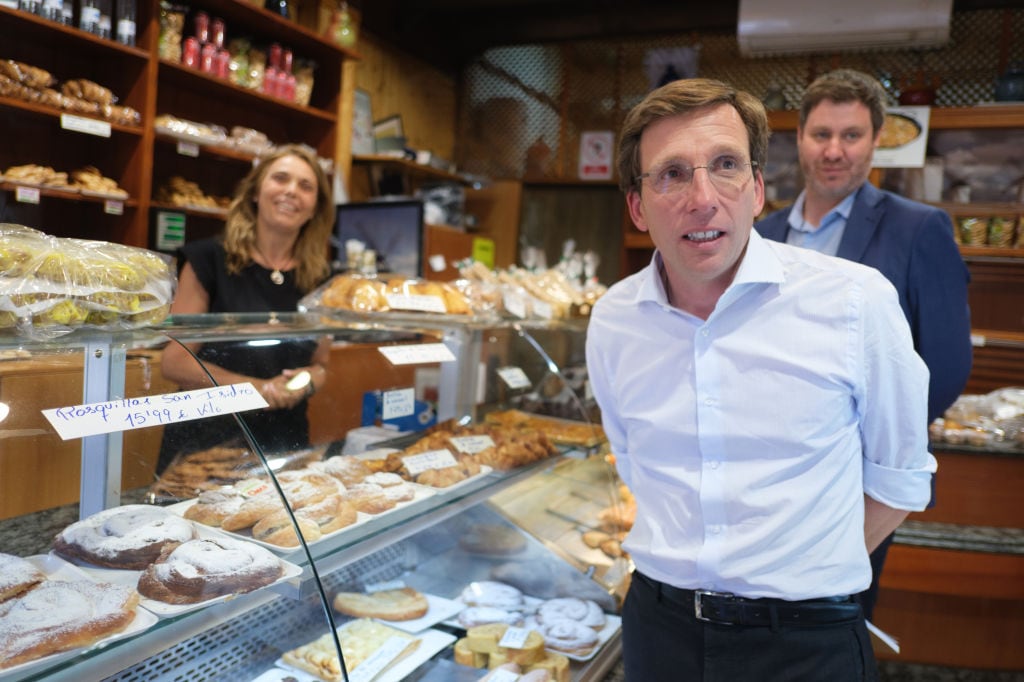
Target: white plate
[[439, 609], [55, 568], [431, 642], [163, 609]]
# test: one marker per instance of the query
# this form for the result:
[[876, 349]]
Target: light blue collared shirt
[[748, 439], [825, 237]]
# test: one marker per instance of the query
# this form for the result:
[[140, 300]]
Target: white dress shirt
[[750, 438]]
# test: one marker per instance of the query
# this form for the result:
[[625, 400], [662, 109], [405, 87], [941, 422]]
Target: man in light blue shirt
[[765, 406]]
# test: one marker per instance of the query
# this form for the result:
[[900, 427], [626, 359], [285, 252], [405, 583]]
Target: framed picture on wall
[[362, 124]]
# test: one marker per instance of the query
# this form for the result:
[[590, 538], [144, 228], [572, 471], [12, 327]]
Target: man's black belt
[[728, 609]]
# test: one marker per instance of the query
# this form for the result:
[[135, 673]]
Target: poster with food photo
[[904, 138]]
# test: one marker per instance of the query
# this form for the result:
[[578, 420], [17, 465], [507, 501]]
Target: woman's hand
[[277, 394]]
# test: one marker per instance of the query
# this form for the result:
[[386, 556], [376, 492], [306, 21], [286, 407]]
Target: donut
[[492, 593], [130, 537], [17, 575], [207, 568], [471, 616], [582, 611], [569, 636]]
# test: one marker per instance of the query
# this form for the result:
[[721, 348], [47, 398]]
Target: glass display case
[[453, 476]]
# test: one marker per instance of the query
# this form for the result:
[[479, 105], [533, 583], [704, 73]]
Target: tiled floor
[[902, 672]]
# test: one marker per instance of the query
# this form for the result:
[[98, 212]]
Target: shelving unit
[[137, 157]]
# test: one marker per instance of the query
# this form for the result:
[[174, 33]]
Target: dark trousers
[[663, 641]]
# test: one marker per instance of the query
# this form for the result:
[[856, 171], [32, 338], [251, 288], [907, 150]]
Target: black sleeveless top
[[250, 291]]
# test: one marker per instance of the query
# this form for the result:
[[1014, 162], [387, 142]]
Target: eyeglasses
[[727, 174]]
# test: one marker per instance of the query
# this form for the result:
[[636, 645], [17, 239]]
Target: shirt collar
[[760, 264], [839, 211]]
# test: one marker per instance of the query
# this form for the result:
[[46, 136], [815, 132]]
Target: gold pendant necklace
[[276, 276]]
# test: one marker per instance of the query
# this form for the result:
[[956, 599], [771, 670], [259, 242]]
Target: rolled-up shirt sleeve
[[893, 405]]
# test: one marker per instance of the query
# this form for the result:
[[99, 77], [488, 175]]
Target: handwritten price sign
[[154, 410]]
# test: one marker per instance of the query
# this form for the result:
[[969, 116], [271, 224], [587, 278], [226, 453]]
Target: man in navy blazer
[[842, 214]]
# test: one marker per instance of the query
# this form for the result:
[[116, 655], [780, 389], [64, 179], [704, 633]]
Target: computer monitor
[[392, 228]]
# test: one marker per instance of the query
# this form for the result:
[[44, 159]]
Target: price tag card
[[978, 340], [384, 586], [113, 207], [514, 638], [400, 403], [432, 459], [378, 660], [514, 377], [417, 354], [188, 149], [154, 410], [89, 126], [428, 304], [252, 487], [27, 195], [472, 444]]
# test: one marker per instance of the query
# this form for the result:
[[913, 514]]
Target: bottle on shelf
[[126, 22], [52, 10], [30, 6], [278, 7], [272, 75], [89, 16], [286, 79], [106, 24]]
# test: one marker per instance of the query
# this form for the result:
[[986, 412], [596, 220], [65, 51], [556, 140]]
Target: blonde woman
[[274, 250]]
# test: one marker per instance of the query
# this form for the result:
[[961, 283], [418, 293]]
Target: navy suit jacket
[[912, 245]]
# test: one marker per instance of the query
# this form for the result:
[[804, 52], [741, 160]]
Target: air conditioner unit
[[776, 27]]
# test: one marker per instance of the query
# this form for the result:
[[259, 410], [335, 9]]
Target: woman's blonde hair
[[310, 248]]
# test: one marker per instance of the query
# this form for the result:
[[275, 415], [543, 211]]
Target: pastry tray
[[362, 519]]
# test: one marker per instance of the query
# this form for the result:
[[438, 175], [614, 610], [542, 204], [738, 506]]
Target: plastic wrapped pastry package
[[549, 294], [50, 286], [383, 294]]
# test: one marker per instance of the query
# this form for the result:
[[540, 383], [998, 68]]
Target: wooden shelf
[[942, 118], [409, 167], [55, 114]]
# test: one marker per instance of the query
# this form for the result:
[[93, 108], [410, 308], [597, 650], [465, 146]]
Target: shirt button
[[713, 464], [703, 332], [709, 401]]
